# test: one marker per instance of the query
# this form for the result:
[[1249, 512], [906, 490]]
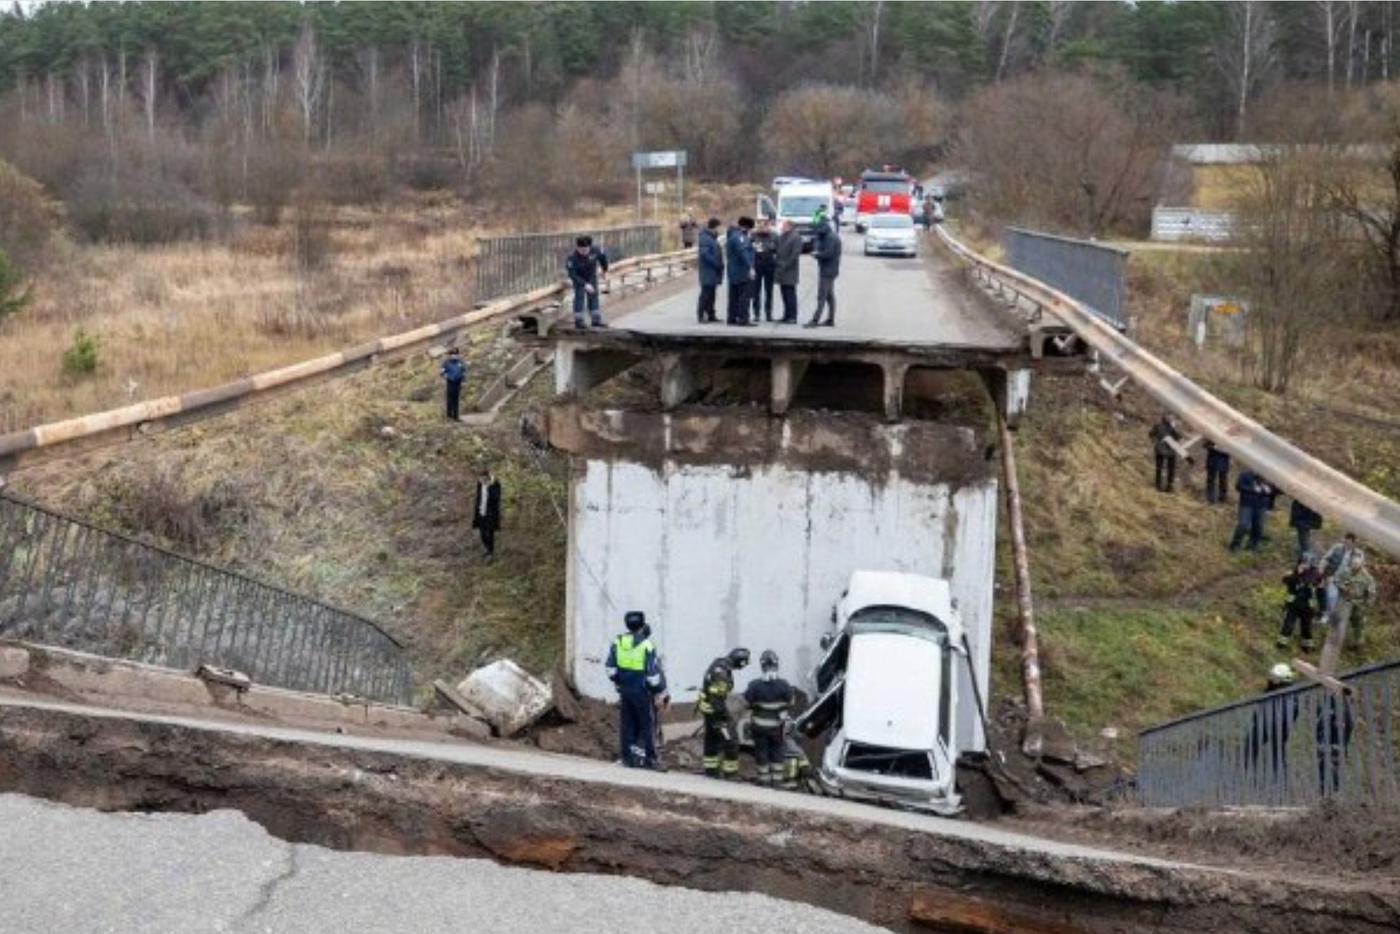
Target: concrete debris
[[506, 696], [1084, 761], [1048, 738], [14, 662], [227, 676]]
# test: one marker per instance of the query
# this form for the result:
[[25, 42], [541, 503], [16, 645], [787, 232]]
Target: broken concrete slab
[[506, 696]]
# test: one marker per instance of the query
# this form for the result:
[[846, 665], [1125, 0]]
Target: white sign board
[[658, 160], [655, 188]]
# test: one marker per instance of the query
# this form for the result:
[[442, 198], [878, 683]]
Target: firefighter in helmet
[[721, 752]]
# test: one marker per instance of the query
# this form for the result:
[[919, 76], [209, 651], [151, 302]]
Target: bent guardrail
[[1353, 505], [69, 583], [32, 444], [1289, 748]]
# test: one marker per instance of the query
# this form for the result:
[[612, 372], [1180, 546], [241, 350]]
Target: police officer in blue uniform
[[634, 668], [583, 265]]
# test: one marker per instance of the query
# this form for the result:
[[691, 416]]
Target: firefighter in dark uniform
[[770, 700], [634, 668], [721, 753]]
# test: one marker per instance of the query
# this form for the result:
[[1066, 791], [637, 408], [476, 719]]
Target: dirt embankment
[[883, 871]]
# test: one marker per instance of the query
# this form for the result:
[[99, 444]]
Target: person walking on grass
[[1334, 561], [584, 265], [827, 250], [787, 270], [486, 514], [1356, 592], [454, 374], [1162, 435], [709, 263], [739, 259]]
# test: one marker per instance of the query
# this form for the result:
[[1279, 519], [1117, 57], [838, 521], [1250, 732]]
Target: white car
[[889, 693], [891, 234]]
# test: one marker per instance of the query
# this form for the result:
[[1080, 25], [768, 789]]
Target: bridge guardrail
[[512, 264], [1289, 748], [1355, 506], [70, 583], [35, 443]]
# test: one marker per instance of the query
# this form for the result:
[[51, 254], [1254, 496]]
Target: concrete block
[[14, 662], [506, 696]]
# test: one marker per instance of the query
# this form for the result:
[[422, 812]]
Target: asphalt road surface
[[78, 871], [921, 301]]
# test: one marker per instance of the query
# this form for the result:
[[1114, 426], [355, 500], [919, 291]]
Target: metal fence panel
[[1087, 271], [519, 263], [66, 582], [1176, 224], [1288, 748]]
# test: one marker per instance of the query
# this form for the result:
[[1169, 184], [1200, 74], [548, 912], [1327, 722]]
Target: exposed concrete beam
[[787, 376], [894, 390], [578, 370], [682, 376], [1010, 391]]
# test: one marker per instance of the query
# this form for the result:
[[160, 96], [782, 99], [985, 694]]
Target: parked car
[[889, 693], [892, 234]]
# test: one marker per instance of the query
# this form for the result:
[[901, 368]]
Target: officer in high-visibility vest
[[721, 749], [634, 668]]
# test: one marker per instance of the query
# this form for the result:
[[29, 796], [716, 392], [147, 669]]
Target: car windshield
[[799, 205], [901, 620], [892, 221], [890, 186]]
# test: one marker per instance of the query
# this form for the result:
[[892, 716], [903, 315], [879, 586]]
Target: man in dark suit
[[486, 516]]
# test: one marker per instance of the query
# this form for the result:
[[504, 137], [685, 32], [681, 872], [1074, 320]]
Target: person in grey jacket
[[828, 254], [710, 264], [786, 274]]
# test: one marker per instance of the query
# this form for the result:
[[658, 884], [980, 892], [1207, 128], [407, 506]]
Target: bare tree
[[822, 128], [1331, 34], [1246, 54], [150, 74], [1067, 151], [701, 45], [1291, 268], [308, 79]]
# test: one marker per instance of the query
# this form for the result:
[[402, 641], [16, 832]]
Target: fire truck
[[887, 190]]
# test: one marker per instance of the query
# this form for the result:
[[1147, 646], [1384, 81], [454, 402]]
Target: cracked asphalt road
[[79, 871]]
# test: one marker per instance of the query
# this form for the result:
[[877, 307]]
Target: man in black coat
[[738, 260], [765, 265], [1217, 474], [787, 268], [486, 514], [1255, 494], [709, 263], [1303, 520], [1162, 434], [827, 250]]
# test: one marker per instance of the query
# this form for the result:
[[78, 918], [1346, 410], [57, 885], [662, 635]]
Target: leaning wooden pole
[[1030, 649]]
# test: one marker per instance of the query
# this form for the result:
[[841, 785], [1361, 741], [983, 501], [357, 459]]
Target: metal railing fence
[[1289, 748], [1082, 269], [519, 263], [69, 583]]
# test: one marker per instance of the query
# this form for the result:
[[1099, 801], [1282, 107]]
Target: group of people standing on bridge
[[756, 256], [1335, 588], [634, 667]]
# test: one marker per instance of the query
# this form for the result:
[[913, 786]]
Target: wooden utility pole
[[1030, 646]]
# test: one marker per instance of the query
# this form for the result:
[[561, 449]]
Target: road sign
[[674, 159]]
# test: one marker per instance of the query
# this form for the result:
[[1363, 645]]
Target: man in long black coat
[[486, 514]]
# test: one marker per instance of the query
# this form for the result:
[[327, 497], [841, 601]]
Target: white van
[[798, 202], [888, 684]]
